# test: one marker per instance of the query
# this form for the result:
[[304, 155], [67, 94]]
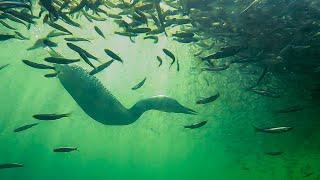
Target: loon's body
[[97, 102]]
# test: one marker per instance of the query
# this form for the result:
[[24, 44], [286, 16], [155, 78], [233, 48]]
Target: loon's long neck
[[160, 103]]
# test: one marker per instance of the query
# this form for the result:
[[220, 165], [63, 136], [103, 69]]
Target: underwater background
[[158, 145]]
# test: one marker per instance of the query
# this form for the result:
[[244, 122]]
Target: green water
[[156, 146]]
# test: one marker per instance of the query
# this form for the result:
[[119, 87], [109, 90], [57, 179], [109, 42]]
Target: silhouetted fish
[[59, 27], [86, 59], [208, 99], [139, 85], [37, 65], [49, 117], [154, 38], [273, 129], [10, 165], [216, 68], [59, 60], [25, 127], [4, 66], [51, 75], [224, 52], [99, 31], [183, 35], [65, 149], [274, 153], [267, 93], [101, 67], [80, 51], [113, 55], [49, 43], [76, 39], [4, 37], [160, 61], [196, 125], [139, 30], [171, 55], [295, 108]]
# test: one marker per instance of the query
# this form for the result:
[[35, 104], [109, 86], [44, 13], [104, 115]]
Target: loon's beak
[[189, 111]]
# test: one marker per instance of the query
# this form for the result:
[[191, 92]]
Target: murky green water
[[156, 146]]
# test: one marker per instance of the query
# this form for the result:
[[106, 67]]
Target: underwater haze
[[160, 89]]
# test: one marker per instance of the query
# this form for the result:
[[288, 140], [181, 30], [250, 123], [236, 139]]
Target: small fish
[[139, 85], [99, 31], [290, 109], [86, 59], [15, 19], [274, 153], [49, 43], [77, 8], [13, 4], [4, 66], [69, 21], [216, 68], [114, 16], [50, 117], [183, 35], [22, 16], [53, 53], [196, 125], [37, 44], [139, 30], [128, 34], [154, 38], [4, 37], [96, 18], [25, 127], [79, 50], [144, 7], [178, 65], [113, 55], [10, 165], [171, 55], [224, 52], [186, 40], [76, 39], [143, 18], [253, 3], [45, 19], [273, 129], [264, 72], [51, 75], [48, 5], [37, 65], [175, 21], [55, 33], [160, 61], [161, 17], [266, 93], [65, 149], [59, 27], [101, 67], [60, 60], [7, 25], [209, 99], [22, 37]]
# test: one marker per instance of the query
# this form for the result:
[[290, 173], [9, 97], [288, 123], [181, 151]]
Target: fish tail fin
[[67, 114]]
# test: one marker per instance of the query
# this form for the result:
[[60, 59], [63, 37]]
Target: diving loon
[[97, 102]]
